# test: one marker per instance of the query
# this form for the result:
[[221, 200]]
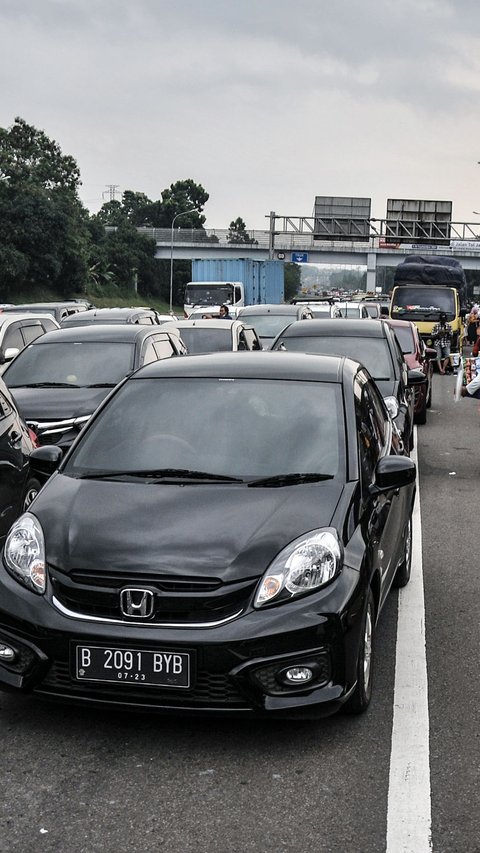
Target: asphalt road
[[84, 781]]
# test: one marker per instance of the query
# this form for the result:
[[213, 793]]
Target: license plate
[[157, 667]]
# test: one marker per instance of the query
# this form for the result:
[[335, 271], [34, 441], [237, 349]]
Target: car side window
[[371, 429], [164, 348], [32, 332], [5, 407], [149, 353], [13, 338]]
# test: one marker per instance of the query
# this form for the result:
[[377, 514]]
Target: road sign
[[299, 257]]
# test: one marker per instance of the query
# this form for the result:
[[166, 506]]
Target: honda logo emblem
[[138, 603]]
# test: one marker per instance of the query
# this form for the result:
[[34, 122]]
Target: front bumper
[[236, 666]]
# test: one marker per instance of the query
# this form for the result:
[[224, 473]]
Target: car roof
[[213, 323], [13, 317], [342, 327], [47, 305], [120, 332], [271, 309], [254, 365]]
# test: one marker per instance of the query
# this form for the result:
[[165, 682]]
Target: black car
[[142, 316], [18, 486], [60, 379], [221, 538], [372, 343], [269, 320]]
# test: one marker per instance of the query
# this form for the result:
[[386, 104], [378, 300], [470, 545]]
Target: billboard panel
[[418, 221], [342, 218]]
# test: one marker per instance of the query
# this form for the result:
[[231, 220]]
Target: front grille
[[211, 689], [177, 599]]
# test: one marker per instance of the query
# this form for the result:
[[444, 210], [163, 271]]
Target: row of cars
[[223, 533]]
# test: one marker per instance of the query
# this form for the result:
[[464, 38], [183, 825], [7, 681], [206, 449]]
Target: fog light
[[7, 653], [298, 675]]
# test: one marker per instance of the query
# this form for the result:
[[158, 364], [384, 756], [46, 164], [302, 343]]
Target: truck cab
[[423, 304], [209, 295]]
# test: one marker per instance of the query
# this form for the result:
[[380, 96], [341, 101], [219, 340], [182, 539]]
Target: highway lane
[[85, 781]]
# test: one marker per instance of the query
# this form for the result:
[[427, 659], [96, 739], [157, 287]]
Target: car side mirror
[[393, 472], [416, 377], [9, 354], [45, 460], [430, 352]]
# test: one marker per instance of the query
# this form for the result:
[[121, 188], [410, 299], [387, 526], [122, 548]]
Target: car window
[[374, 353], [405, 338], [164, 348], [206, 340], [149, 353], [13, 338], [71, 363], [231, 433], [31, 333]]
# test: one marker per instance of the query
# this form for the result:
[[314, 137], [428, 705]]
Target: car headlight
[[392, 406], [24, 553], [305, 565]]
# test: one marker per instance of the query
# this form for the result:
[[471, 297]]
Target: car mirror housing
[[416, 377], [10, 354], [45, 460], [393, 472]]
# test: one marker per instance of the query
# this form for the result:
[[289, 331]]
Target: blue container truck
[[233, 282]]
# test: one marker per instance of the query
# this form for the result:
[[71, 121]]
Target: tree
[[293, 280], [138, 210], [237, 233], [43, 225]]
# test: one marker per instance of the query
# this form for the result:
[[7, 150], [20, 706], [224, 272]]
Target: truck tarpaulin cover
[[435, 270]]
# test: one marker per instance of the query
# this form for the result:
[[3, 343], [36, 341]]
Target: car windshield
[[71, 363], [374, 353], [411, 303], [268, 325], [201, 339], [242, 428]]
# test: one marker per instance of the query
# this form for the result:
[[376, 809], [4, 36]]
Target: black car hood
[[224, 531], [57, 403]]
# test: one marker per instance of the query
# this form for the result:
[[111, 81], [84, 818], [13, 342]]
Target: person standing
[[472, 324], [442, 338]]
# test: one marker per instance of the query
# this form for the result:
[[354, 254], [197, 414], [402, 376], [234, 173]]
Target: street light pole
[[182, 213]]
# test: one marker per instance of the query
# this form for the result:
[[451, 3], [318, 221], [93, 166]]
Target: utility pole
[[111, 191]]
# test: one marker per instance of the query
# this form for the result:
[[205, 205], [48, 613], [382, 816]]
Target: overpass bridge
[[293, 239]]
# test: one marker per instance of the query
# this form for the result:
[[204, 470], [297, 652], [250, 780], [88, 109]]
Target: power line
[[111, 191]]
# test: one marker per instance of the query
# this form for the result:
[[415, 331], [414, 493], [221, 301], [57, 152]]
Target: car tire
[[402, 575], [31, 491], [362, 694]]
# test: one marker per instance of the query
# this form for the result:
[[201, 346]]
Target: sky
[[265, 103]]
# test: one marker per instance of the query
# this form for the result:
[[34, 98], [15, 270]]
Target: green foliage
[[43, 227], [237, 233], [293, 279]]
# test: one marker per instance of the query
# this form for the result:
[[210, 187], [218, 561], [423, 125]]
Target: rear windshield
[[76, 364], [198, 339], [374, 353]]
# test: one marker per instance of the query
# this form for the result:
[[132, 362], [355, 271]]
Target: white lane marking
[[409, 805]]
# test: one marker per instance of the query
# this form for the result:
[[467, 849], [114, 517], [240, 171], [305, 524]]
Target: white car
[[353, 310], [19, 330], [215, 335]]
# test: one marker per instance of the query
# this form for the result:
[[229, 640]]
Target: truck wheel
[[360, 698]]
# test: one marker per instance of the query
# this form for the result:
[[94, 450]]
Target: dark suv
[[372, 343]]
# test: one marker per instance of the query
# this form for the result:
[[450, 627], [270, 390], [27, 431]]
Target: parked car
[[220, 578], [269, 320], [374, 344], [141, 316], [60, 310], [18, 486], [60, 379], [19, 330], [213, 335], [418, 357]]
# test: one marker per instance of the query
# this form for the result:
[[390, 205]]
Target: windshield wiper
[[46, 385], [290, 479], [102, 385], [160, 475]]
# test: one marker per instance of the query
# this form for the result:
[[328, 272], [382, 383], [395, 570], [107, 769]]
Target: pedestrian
[[476, 346], [225, 313], [472, 324], [442, 336]]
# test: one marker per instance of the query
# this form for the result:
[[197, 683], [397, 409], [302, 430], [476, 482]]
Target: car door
[[383, 513]]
